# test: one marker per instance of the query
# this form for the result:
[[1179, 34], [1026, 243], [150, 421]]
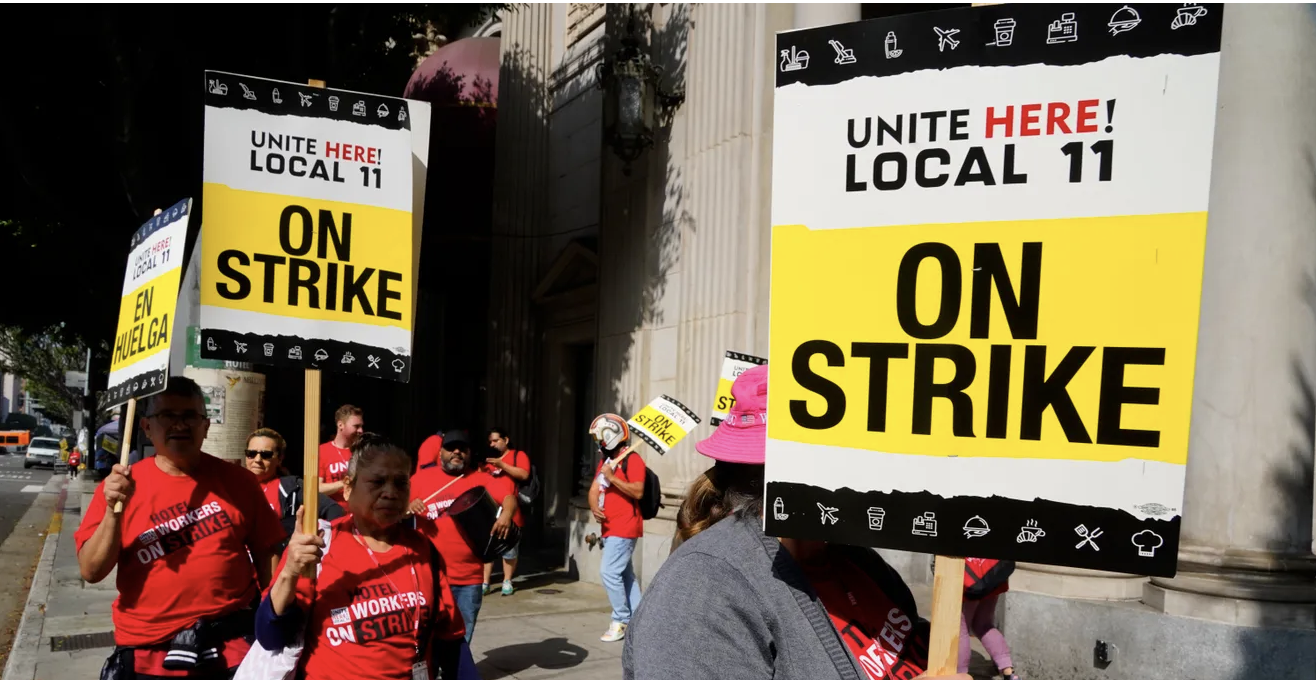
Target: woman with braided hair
[[380, 600]]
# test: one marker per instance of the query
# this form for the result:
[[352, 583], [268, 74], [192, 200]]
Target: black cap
[[452, 437]]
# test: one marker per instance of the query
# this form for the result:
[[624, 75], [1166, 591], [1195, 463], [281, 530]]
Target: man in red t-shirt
[[195, 541], [514, 465], [428, 455], [337, 453], [432, 491], [614, 499]]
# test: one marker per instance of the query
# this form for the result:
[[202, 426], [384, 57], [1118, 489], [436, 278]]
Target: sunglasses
[[264, 455]]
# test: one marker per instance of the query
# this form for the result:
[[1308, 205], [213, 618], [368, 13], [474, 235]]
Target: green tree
[[42, 359]]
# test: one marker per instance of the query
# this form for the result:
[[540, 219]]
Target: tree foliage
[[102, 123], [42, 359]]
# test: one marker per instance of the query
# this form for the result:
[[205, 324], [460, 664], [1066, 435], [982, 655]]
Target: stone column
[[1245, 555], [520, 209], [809, 15]]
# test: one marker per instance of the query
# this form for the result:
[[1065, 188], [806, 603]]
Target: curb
[[22, 662]]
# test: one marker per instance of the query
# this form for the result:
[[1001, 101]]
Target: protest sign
[[987, 251], [139, 366], [733, 364], [307, 258], [663, 423]]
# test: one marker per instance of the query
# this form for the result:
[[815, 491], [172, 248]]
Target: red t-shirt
[[517, 459], [622, 511], [362, 611], [886, 642], [429, 451], [333, 468], [977, 567], [74, 458], [185, 543], [271, 489], [464, 567]]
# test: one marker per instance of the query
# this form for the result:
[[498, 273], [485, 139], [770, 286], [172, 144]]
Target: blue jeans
[[469, 599], [618, 577]]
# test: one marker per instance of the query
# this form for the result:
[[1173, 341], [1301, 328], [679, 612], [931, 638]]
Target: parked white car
[[42, 451]]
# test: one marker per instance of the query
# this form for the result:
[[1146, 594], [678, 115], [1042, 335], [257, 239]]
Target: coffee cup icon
[[1004, 32], [875, 518]]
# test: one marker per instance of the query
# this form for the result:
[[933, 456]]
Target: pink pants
[[979, 618]]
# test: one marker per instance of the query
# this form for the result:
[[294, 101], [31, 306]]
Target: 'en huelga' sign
[[139, 362]]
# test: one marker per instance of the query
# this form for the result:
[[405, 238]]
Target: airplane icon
[[828, 514], [945, 36]]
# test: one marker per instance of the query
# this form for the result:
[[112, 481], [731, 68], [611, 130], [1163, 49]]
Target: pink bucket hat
[[743, 434]]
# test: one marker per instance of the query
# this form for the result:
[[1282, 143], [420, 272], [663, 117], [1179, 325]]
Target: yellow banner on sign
[[663, 422], [307, 258], [733, 364], [723, 401], [1063, 339], [145, 322]]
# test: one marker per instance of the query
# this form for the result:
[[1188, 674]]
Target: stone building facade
[[611, 288]]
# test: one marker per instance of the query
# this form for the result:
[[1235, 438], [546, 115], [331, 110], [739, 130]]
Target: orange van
[[14, 441]]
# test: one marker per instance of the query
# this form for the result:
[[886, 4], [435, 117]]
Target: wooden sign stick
[[947, 603], [625, 452], [311, 454], [310, 444], [126, 445]]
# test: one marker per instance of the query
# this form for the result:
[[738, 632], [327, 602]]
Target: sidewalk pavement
[[549, 629]]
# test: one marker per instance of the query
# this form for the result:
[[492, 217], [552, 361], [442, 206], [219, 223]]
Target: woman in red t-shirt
[[985, 580], [265, 451], [380, 600], [75, 459]]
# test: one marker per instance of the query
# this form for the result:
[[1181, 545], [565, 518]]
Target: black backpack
[[652, 499], [979, 582], [528, 491]]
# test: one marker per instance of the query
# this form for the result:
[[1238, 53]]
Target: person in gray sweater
[[734, 604]]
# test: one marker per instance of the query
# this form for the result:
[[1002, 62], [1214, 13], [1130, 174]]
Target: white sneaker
[[615, 632]]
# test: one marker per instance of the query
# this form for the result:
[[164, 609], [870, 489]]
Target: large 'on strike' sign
[[986, 275], [307, 247]]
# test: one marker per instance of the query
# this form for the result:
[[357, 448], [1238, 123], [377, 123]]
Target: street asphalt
[[18, 488]]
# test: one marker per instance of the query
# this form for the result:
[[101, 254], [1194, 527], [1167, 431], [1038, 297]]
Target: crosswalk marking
[[32, 488]]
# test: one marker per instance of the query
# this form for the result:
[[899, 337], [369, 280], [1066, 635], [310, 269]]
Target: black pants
[[121, 666]]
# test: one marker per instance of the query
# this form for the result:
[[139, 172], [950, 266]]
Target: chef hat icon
[[1147, 542]]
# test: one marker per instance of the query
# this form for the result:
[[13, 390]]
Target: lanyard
[[414, 576], [834, 571]]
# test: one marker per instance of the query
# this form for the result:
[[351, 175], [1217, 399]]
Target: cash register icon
[[925, 525], [1063, 30]]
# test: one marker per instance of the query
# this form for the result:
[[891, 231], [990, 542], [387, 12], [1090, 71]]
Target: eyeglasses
[[264, 455], [169, 418]]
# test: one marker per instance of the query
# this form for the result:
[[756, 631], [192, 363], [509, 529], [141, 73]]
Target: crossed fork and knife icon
[[1089, 537]]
